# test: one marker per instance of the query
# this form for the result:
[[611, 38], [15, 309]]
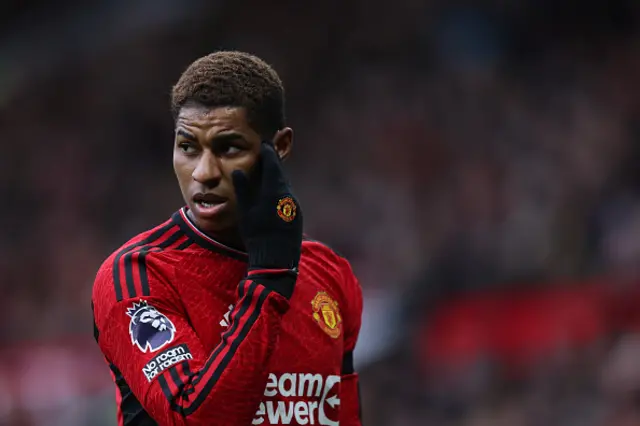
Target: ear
[[283, 142]]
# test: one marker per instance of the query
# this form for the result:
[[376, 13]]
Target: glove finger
[[242, 189], [273, 176]]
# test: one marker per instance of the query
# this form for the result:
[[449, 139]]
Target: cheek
[[182, 169], [244, 163]]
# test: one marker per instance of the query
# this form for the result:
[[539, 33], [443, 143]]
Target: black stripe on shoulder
[[128, 274], [154, 236], [311, 240], [132, 412], [141, 265], [185, 245], [144, 277]]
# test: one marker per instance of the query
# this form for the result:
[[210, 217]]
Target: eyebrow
[[185, 134], [227, 137], [220, 137]]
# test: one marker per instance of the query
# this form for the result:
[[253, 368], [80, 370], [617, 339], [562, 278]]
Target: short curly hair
[[238, 79]]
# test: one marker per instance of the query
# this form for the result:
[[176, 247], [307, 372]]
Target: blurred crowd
[[465, 156]]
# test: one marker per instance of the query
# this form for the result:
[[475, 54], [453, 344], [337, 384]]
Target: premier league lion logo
[[149, 329]]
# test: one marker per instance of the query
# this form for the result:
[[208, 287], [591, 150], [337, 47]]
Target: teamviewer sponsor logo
[[166, 359], [305, 399]]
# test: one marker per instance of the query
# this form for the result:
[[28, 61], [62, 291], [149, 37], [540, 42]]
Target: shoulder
[[133, 268], [323, 258], [323, 255], [320, 246]]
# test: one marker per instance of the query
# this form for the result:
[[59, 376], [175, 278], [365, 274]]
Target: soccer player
[[225, 314]]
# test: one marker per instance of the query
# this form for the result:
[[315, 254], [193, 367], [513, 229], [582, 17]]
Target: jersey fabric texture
[[191, 339]]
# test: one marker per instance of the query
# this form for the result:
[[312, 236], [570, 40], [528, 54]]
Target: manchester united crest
[[286, 209], [327, 314]]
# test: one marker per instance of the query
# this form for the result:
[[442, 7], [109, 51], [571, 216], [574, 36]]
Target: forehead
[[205, 118]]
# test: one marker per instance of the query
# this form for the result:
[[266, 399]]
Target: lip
[[208, 212], [208, 197], [217, 204]]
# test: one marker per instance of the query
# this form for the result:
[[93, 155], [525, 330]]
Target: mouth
[[209, 204]]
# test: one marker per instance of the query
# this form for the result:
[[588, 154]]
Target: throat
[[228, 237]]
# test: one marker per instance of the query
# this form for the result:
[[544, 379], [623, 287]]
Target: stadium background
[[476, 160]]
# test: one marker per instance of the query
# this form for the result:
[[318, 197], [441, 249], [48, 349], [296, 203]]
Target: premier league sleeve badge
[[149, 329]]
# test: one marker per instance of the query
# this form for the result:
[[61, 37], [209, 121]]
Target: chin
[[215, 226], [220, 223]]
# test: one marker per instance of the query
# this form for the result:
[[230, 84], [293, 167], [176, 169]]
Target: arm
[[179, 383], [350, 411], [183, 385]]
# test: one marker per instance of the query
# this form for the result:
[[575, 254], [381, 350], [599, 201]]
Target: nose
[[207, 172]]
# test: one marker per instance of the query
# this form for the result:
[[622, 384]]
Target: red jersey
[[192, 340]]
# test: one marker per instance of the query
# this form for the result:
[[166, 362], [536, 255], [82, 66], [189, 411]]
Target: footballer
[[226, 314]]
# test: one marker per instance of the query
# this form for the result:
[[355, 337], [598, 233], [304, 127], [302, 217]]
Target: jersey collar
[[181, 219]]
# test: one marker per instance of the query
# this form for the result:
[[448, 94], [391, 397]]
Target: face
[[210, 143]]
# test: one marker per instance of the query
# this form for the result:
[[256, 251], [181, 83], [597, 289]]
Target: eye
[[232, 150], [229, 148], [187, 148]]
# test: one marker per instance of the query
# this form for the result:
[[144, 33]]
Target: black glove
[[270, 218]]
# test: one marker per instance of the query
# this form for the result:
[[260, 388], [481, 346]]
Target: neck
[[229, 237]]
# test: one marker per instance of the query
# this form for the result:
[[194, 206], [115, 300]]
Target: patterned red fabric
[[192, 341]]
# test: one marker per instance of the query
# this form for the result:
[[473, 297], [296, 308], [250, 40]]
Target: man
[[225, 314]]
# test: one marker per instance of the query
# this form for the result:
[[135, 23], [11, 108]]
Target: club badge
[[286, 209], [327, 314]]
